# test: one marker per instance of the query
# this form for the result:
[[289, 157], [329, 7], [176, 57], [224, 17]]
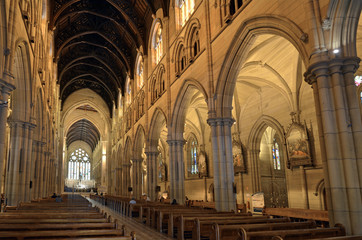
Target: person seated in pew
[[54, 195], [174, 202], [133, 201], [58, 199]]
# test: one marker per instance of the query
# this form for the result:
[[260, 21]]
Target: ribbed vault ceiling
[[96, 42], [83, 130]]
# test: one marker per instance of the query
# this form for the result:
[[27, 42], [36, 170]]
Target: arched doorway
[[272, 170]]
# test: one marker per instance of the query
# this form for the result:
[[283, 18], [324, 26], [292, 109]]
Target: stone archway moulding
[[179, 111], [267, 24]]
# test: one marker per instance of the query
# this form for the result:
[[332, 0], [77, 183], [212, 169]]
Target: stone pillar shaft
[[126, 178], [340, 129], [137, 178], [177, 172], [151, 174], [223, 163], [5, 90]]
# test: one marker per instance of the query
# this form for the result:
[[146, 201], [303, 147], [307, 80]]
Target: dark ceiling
[[83, 130], [96, 42]]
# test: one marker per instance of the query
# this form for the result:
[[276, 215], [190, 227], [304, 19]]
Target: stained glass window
[[193, 151], [79, 165], [276, 156], [157, 44], [186, 7], [128, 91], [140, 80], [358, 80]]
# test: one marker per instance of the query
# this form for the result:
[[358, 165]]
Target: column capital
[[137, 160], [220, 121], [22, 124], [5, 90], [5, 86], [331, 66], [152, 153], [176, 142]]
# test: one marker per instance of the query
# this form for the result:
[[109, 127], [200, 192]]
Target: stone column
[[339, 123], [5, 89], [40, 170], [304, 185], [152, 174], [118, 181], [45, 182], [29, 160], [126, 178], [177, 171], [35, 171], [223, 163], [137, 178], [15, 178]]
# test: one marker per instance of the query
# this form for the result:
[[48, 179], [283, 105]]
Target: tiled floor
[[143, 232]]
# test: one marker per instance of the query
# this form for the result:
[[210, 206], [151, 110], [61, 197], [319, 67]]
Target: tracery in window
[[79, 165], [276, 155], [162, 80], [181, 60], [139, 72], [128, 91], [235, 5], [195, 44], [154, 90], [186, 8], [193, 153], [157, 43]]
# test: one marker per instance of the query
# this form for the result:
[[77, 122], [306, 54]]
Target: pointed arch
[[158, 120], [139, 142], [240, 46], [22, 95], [343, 17], [183, 99]]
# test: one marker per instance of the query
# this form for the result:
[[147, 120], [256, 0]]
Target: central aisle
[[143, 232]]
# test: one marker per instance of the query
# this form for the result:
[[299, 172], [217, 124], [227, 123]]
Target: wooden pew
[[49, 215], [294, 234], [185, 223], [297, 214], [359, 237], [225, 231], [54, 220], [206, 228], [159, 216], [52, 226], [68, 219], [60, 234]]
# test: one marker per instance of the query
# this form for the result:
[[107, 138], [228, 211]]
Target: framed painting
[[298, 146]]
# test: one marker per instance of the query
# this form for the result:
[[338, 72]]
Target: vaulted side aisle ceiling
[[96, 42]]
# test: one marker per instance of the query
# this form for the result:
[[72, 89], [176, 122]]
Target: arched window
[[193, 153], [139, 72], [162, 80], [128, 91], [235, 5], [276, 155], [120, 105], [79, 166], [195, 43], [181, 60], [157, 43], [154, 90], [186, 8]]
